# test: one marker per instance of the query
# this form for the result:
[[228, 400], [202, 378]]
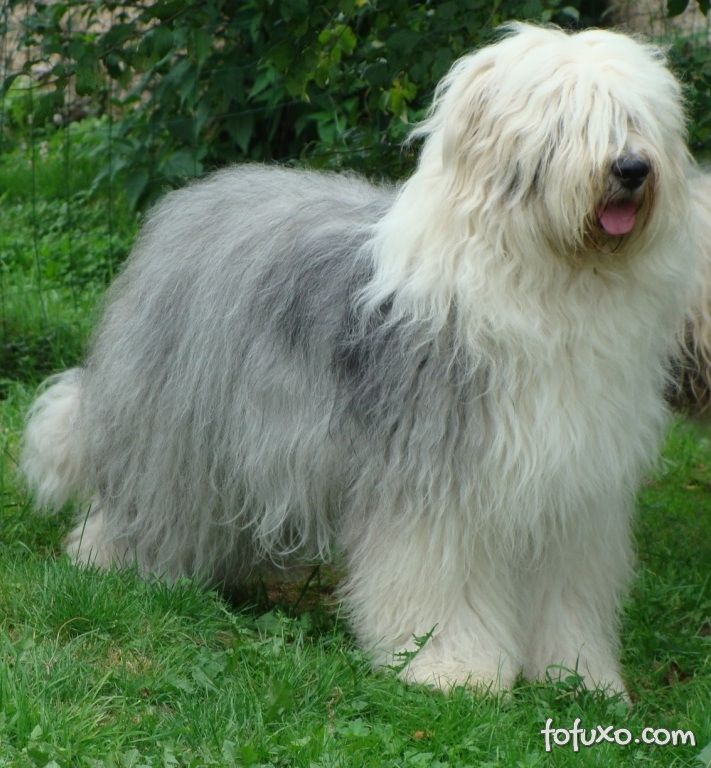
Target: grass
[[104, 669], [59, 246]]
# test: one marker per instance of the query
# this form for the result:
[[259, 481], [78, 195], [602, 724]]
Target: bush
[[187, 87], [192, 86]]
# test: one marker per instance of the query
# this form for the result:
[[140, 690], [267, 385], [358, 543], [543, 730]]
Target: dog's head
[[570, 141]]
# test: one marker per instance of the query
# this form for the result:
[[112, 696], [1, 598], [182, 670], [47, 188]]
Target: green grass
[[104, 669], [60, 244]]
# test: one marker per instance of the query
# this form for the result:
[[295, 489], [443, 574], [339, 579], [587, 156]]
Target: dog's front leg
[[421, 601], [570, 602]]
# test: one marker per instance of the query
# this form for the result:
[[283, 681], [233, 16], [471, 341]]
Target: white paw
[[605, 678], [86, 544], [445, 675]]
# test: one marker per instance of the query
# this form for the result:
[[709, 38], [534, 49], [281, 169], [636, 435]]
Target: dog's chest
[[575, 420]]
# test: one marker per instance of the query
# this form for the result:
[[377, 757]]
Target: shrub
[[187, 87], [192, 86]]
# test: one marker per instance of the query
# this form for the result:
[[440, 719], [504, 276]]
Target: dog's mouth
[[618, 218], [627, 186]]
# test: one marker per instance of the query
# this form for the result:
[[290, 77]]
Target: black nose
[[631, 170]]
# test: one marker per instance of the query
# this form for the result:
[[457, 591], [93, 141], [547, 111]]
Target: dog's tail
[[52, 457]]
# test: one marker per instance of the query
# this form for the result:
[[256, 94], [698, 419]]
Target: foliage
[[52, 216], [677, 7], [59, 244], [690, 58], [191, 86], [692, 61], [188, 87]]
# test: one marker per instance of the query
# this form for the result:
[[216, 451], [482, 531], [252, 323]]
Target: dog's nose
[[631, 170]]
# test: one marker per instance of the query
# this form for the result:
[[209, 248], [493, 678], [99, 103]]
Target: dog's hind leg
[[87, 544]]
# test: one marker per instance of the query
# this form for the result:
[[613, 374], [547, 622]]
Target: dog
[[454, 386], [690, 391]]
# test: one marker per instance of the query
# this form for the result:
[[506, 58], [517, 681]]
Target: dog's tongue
[[618, 219]]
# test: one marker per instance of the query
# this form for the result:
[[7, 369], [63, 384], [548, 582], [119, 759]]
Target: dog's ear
[[460, 124], [458, 107], [464, 108]]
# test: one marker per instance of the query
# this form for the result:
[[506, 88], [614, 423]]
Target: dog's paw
[[86, 544], [445, 676], [606, 679]]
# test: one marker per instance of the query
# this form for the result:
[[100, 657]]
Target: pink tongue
[[618, 219]]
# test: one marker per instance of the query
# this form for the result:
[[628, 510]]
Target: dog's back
[[210, 369]]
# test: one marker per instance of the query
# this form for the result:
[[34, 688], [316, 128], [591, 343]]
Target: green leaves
[[134, 186], [88, 78], [675, 7], [195, 86]]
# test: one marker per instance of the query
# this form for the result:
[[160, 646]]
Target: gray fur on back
[[238, 402]]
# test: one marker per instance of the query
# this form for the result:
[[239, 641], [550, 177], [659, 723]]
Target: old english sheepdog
[[690, 392], [455, 386]]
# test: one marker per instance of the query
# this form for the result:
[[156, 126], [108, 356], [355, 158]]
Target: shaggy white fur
[[456, 386]]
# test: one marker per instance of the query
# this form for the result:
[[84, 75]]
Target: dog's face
[[572, 141]]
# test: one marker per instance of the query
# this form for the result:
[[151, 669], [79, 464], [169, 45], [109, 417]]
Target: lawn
[[103, 669]]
